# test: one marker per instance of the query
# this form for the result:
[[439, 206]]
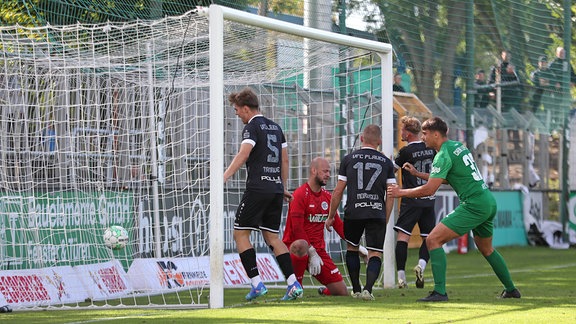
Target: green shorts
[[476, 214]]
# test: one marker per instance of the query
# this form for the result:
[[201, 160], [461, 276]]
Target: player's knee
[[299, 248]]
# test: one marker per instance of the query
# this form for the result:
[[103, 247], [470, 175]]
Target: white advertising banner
[[169, 273], [154, 275], [234, 273], [61, 285], [41, 287], [104, 280]]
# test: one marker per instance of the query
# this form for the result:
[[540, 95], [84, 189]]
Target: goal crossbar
[[216, 16]]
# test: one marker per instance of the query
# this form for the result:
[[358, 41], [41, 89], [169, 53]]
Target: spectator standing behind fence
[[397, 86], [265, 152], [366, 173], [482, 96], [558, 66], [508, 81], [541, 78]]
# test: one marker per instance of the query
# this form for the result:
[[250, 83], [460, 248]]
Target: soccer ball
[[116, 237]]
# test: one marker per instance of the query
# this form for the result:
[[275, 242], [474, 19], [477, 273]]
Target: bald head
[[560, 52], [319, 173]]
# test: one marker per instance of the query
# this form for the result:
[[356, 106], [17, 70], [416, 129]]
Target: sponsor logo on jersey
[[317, 218], [366, 195], [373, 205], [267, 169], [271, 179]]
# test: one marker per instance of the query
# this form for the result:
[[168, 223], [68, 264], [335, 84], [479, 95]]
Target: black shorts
[[410, 215], [259, 211], [375, 229]]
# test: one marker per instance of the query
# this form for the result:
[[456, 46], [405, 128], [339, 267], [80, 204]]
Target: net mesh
[[79, 80], [108, 124]]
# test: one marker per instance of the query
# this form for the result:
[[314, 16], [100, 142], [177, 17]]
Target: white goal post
[[127, 124], [217, 15]]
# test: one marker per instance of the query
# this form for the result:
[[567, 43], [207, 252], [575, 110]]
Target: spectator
[[264, 151], [541, 78], [504, 75], [482, 97], [397, 86], [366, 172], [497, 69], [557, 68], [304, 232]]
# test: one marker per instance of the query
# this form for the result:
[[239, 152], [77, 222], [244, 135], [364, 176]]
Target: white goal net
[[125, 124]]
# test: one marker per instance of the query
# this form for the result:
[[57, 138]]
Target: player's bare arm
[[238, 161], [389, 205], [428, 189], [337, 195], [284, 174], [413, 171]]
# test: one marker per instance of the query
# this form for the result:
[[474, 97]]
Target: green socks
[[438, 262], [501, 269]]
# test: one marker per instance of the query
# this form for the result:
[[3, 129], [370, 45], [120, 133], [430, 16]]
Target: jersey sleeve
[[339, 226], [342, 171], [391, 176], [441, 165], [249, 135], [400, 158], [296, 213], [284, 142]]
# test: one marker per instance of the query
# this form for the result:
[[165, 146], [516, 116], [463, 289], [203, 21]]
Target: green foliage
[[428, 36], [14, 12]]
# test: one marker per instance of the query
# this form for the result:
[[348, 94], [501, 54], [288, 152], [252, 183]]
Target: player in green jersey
[[454, 165]]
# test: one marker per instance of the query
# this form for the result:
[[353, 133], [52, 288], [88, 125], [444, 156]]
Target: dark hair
[[436, 124], [246, 97]]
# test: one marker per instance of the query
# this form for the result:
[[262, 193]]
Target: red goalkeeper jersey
[[307, 215]]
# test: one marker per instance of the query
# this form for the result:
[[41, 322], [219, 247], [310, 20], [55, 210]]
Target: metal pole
[[566, 105], [342, 84], [216, 230], [152, 127], [470, 80]]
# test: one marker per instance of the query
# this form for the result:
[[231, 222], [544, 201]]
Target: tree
[[429, 37]]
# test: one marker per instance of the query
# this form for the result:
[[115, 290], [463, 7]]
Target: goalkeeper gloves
[[314, 261]]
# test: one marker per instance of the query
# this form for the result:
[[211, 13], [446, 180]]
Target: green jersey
[[455, 164]]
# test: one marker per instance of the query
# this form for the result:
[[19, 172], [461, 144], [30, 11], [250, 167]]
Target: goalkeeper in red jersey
[[304, 232]]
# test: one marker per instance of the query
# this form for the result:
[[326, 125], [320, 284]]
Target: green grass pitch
[[544, 276]]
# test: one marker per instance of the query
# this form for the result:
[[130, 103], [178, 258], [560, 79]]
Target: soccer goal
[[127, 124]]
